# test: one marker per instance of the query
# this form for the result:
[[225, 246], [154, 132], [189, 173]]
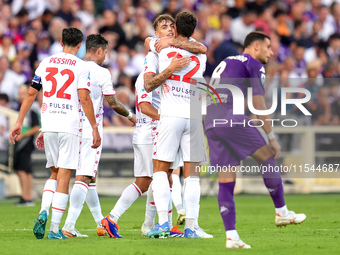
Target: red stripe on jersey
[[134, 185], [150, 72], [153, 203]]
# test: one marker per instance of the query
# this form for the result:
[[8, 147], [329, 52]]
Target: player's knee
[[85, 179]]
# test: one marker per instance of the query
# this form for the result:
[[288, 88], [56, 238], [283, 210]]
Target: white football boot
[[145, 229], [73, 233], [201, 233], [291, 218], [231, 244]]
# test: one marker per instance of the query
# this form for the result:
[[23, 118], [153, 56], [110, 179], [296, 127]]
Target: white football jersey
[[146, 126], [101, 85], [180, 96], [61, 75]]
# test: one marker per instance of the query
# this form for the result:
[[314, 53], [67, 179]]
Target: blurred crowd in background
[[305, 37]]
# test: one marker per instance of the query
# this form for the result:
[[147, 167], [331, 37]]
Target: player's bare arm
[[26, 105], [149, 110], [191, 46], [259, 104], [119, 108], [87, 105], [152, 81]]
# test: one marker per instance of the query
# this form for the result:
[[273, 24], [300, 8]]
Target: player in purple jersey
[[232, 137]]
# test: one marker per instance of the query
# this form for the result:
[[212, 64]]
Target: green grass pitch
[[319, 234]]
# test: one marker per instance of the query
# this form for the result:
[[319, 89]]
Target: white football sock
[[150, 210], [161, 195], [47, 196], [92, 201], [77, 199], [191, 197], [177, 192], [129, 195], [233, 235], [283, 211], [59, 204], [170, 210]]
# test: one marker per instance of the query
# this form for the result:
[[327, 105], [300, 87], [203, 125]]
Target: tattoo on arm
[[152, 82], [191, 46], [116, 105]]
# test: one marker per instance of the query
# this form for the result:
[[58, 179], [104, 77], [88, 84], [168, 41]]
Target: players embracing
[[180, 127]]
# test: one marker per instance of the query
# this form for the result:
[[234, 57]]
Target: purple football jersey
[[240, 72]]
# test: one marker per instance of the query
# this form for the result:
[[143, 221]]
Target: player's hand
[[39, 142], [179, 63], [15, 132], [275, 147], [96, 139], [163, 43], [133, 119]]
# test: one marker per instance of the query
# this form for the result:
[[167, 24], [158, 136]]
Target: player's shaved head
[[254, 36], [161, 18], [71, 36], [185, 24], [94, 42]]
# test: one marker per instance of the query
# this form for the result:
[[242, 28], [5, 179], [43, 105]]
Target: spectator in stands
[[23, 150], [66, 11], [171, 9], [242, 26], [282, 27], [24, 51], [56, 27], [10, 82], [86, 13], [7, 47], [5, 14], [110, 24], [326, 23], [333, 49], [35, 8], [335, 11]]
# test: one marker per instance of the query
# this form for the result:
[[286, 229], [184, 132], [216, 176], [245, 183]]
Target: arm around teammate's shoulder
[[152, 81]]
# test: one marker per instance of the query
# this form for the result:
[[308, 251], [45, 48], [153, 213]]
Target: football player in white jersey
[[101, 86], [64, 79], [180, 126], [85, 184], [146, 127]]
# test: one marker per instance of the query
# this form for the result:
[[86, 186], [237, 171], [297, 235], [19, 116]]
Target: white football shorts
[[179, 133], [62, 150], [88, 158], [143, 165]]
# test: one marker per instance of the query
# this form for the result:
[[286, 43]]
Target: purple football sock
[[226, 204], [272, 180]]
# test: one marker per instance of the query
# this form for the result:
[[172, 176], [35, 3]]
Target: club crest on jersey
[[166, 88], [263, 78]]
